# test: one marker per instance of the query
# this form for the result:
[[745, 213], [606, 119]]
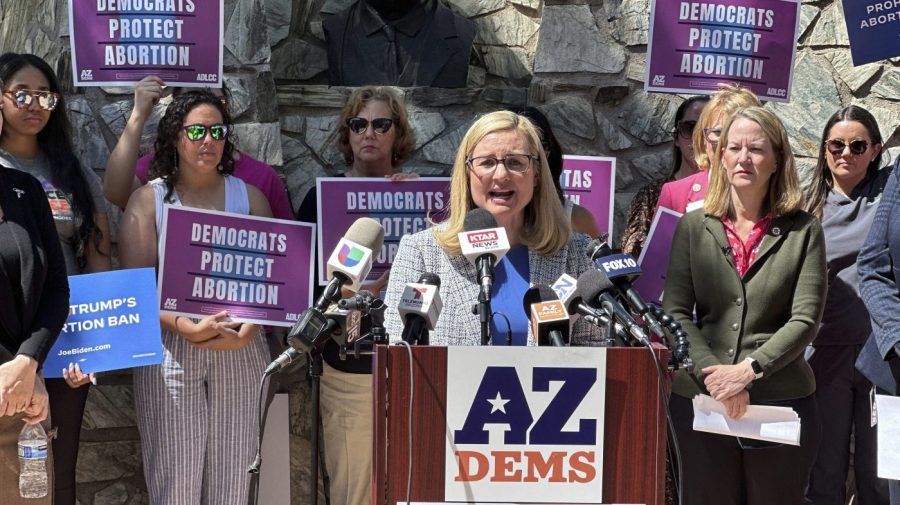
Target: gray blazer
[[419, 253]]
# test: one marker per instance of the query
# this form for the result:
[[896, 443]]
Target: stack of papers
[[761, 422]]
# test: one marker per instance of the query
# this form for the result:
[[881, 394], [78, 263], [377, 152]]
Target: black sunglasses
[[380, 125], [836, 146], [685, 129]]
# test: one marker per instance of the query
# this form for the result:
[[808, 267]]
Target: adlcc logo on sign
[[525, 424]]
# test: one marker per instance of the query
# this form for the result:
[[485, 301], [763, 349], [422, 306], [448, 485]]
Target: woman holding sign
[[502, 168], [751, 266], [375, 138], [35, 301], [36, 140], [687, 194], [196, 411]]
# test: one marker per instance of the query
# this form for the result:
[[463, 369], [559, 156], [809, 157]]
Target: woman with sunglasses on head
[[500, 167], [687, 194], [125, 171], [684, 164], [844, 194], [35, 302], [195, 410], [35, 139], [375, 138]]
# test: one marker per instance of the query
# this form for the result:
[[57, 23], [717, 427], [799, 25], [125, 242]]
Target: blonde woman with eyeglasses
[[500, 167]]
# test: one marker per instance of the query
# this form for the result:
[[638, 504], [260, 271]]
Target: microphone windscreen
[[537, 294], [598, 249], [430, 279], [479, 219], [592, 283], [366, 232]]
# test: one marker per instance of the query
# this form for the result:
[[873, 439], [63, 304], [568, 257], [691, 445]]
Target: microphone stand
[[315, 375], [483, 309]]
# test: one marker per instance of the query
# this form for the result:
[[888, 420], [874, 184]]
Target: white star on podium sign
[[498, 403]]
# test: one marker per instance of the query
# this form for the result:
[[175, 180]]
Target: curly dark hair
[[55, 142], [165, 157]]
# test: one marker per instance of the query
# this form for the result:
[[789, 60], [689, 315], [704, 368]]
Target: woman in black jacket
[[34, 302]]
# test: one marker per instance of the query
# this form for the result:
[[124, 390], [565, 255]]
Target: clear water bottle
[[33, 461]]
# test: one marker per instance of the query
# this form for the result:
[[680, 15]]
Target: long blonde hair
[[729, 98], [784, 195], [545, 228]]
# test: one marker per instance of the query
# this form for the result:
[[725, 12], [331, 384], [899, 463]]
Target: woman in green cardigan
[[751, 266]]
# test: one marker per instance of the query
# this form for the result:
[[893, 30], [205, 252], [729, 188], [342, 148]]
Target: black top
[[34, 288], [331, 352], [428, 46]]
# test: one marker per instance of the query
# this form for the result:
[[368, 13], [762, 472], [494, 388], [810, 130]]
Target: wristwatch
[[756, 367]]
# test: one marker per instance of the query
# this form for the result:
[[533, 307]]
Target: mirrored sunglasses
[[836, 146], [380, 125], [196, 132], [23, 98]]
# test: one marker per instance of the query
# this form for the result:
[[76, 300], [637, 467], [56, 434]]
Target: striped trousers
[[197, 415]]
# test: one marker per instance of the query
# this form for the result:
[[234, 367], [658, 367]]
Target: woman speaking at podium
[[501, 168], [751, 265]]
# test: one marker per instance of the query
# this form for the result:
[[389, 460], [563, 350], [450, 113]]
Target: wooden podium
[[634, 430]]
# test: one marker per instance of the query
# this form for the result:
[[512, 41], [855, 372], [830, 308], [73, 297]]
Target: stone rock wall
[[580, 61]]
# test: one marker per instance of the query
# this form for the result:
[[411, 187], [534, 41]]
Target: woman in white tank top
[[197, 410]]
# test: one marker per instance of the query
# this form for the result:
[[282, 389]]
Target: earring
[[175, 162]]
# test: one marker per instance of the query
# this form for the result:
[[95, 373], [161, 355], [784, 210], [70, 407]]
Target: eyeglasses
[[380, 125], [712, 135], [483, 166], [197, 132], [836, 146], [685, 129], [23, 98]]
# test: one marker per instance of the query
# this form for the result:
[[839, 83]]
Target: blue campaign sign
[[113, 323], [873, 28]]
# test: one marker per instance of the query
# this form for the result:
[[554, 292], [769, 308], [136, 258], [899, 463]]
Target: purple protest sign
[[258, 269], [590, 181], [119, 42], [654, 258], [694, 46], [401, 207]]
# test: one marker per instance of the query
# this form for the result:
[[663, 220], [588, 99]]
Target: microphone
[[484, 245], [420, 306], [622, 269], [595, 287], [304, 337], [567, 289], [548, 316], [363, 301], [351, 260]]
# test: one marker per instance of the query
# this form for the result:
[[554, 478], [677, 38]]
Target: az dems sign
[[525, 425]]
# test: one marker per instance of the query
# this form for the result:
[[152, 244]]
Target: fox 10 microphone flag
[[258, 269], [525, 424]]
